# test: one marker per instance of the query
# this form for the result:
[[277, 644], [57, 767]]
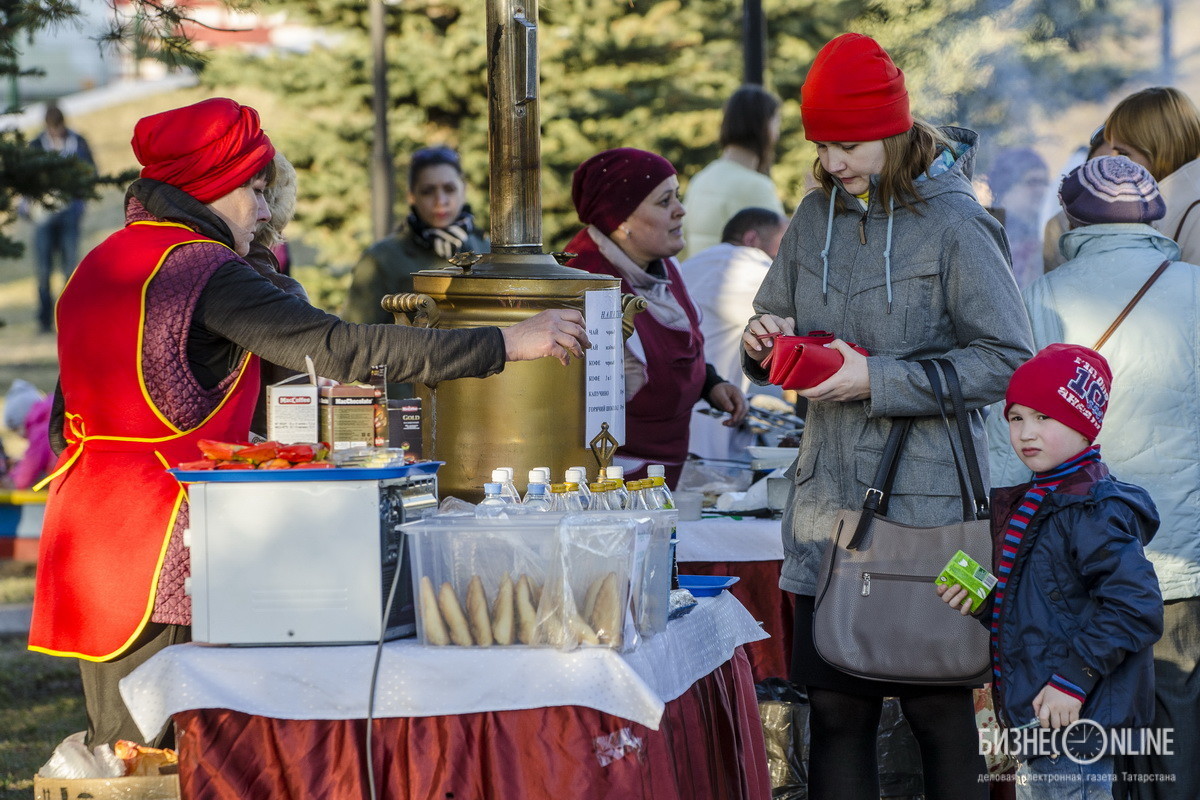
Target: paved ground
[[14, 619]]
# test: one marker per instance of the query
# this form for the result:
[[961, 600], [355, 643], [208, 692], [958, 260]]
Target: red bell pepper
[[218, 451], [258, 453], [190, 466]]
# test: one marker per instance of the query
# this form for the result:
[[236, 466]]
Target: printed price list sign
[[604, 392]]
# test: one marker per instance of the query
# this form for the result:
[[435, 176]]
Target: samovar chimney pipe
[[514, 128]]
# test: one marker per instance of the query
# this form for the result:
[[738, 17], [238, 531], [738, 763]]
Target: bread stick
[[526, 613], [582, 631], [502, 612], [435, 628], [589, 603], [456, 621], [477, 613], [606, 616]]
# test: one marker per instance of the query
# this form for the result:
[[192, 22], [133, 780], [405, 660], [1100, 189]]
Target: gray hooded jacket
[[945, 274]]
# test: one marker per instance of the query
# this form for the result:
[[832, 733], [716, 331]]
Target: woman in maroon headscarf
[[629, 200], [160, 333]]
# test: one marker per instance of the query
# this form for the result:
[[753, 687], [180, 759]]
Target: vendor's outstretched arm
[[238, 305]]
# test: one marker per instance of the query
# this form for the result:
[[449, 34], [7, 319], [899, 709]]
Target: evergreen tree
[[48, 178], [650, 74]]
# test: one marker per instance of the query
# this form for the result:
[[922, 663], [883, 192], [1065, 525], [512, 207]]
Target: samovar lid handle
[[603, 445]]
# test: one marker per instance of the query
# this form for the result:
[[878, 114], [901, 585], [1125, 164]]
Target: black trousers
[[108, 718]]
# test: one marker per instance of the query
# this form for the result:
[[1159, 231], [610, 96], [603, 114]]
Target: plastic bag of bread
[[586, 601], [478, 583]]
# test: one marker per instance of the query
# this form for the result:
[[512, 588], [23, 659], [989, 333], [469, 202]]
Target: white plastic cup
[[688, 505]]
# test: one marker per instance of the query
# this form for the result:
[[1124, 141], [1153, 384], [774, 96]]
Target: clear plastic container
[[564, 561]]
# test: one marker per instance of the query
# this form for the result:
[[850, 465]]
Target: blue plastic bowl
[[706, 585]]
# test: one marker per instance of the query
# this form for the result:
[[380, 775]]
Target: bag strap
[[935, 384], [1129, 307], [1183, 219], [982, 507], [876, 498]]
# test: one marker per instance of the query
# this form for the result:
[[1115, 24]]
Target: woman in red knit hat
[[629, 201], [160, 332], [894, 253]]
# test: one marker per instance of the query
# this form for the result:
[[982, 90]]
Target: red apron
[[112, 504]]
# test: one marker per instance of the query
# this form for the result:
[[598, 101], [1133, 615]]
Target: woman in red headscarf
[[160, 332], [629, 200]]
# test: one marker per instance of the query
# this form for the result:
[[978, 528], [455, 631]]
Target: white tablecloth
[[727, 539], [418, 681]]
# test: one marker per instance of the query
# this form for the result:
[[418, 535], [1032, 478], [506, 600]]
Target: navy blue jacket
[[1082, 600]]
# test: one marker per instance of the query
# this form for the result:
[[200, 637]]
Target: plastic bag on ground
[[72, 759]]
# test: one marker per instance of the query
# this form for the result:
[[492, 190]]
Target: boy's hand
[[953, 595], [1055, 709]]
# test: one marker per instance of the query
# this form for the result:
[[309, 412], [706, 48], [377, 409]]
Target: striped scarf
[[1043, 484]]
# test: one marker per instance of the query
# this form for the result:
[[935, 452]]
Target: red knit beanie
[[609, 186], [1066, 382], [853, 93], [207, 149]]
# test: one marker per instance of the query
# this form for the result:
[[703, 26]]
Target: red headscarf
[[207, 149], [609, 186]]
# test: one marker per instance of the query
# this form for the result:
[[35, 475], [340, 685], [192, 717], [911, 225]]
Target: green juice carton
[[966, 572]]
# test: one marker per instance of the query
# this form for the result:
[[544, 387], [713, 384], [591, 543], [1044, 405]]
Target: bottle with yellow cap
[[616, 476], [577, 476], [658, 473], [565, 497], [600, 500]]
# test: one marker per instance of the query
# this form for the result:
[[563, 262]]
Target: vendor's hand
[[728, 397], [759, 336], [851, 382], [555, 332], [953, 596], [1055, 709]]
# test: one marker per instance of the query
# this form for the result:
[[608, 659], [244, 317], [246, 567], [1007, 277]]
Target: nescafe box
[[292, 410], [347, 415]]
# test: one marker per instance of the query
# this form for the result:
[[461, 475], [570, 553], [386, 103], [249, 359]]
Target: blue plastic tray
[[275, 475], [706, 585]]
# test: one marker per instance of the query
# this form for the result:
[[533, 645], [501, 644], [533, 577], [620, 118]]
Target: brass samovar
[[531, 414]]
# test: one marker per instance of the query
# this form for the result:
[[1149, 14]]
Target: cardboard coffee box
[[347, 413], [405, 426], [292, 411]]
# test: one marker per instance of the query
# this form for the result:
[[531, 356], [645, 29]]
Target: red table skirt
[[709, 746], [758, 590]]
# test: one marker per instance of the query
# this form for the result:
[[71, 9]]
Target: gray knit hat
[[1110, 189]]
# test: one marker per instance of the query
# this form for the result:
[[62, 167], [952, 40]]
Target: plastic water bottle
[[565, 497], [658, 474], [600, 500], [493, 505], [536, 479], [617, 475], [508, 490], [537, 498], [576, 476]]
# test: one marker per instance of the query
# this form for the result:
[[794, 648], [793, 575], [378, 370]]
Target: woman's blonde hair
[[1161, 123], [280, 194], [905, 156]]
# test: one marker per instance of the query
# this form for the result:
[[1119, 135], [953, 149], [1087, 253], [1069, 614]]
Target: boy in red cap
[[1076, 607]]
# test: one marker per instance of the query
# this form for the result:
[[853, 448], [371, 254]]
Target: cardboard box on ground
[[133, 787]]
